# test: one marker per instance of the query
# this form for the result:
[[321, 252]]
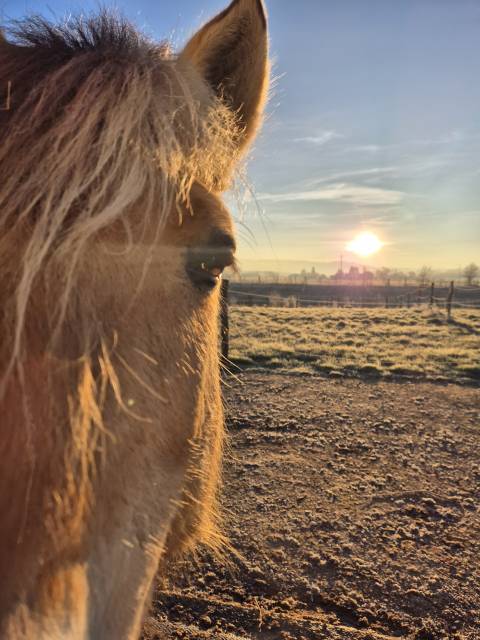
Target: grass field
[[414, 342]]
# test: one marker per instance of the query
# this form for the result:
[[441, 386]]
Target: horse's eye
[[206, 264]]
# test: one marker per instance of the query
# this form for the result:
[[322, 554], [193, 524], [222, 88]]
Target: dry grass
[[415, 342]]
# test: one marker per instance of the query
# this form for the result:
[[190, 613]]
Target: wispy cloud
[[355, 173], [364, 148], [321, 138], [339, 192], [449, 138]]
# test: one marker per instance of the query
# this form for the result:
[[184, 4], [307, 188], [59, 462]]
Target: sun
[[365, 244]]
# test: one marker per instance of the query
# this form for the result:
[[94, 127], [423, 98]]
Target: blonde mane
[[100, 122]]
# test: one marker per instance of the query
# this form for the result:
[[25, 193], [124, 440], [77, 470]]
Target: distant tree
[[412, 276], [366, 276], [424, 276], [383, 274], [471, 272], [397, 276]]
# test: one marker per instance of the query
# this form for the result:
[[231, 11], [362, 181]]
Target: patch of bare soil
[[354, 507]]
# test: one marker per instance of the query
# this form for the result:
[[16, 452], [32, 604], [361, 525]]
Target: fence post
[[386, 294], [432, 293], [449, 299], [224, 326]]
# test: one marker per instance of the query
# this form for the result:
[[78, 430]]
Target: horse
[[114, 156]]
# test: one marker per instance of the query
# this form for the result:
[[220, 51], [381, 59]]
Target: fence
[[455, 297]]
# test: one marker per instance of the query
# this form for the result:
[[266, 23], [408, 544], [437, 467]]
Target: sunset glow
[[365, 244]]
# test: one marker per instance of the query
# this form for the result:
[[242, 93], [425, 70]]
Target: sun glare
[[365, 244]]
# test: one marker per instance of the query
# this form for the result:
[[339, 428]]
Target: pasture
[[416, 343]]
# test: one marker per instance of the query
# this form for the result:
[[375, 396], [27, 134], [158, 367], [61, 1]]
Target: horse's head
[[113, 238]]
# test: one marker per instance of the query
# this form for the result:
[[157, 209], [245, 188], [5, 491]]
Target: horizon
[[330, 267], [372, 126]]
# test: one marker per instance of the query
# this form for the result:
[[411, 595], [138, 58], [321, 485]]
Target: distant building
[[339, 275], [353, 275]]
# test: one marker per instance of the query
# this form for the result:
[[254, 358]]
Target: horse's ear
[[231, 53]]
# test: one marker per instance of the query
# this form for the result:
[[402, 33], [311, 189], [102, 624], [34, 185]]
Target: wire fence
[[469, 298], [421, 296]]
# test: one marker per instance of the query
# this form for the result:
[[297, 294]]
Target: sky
[[373, 125]]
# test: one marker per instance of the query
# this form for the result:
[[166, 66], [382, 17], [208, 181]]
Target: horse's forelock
[[101, 123]]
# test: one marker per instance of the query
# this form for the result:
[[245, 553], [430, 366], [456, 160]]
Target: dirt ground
[[354, 507]]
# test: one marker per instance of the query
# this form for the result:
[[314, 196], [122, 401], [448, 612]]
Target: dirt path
[[355, 508]]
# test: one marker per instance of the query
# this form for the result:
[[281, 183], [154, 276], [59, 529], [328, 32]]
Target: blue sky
[[373, 124]]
